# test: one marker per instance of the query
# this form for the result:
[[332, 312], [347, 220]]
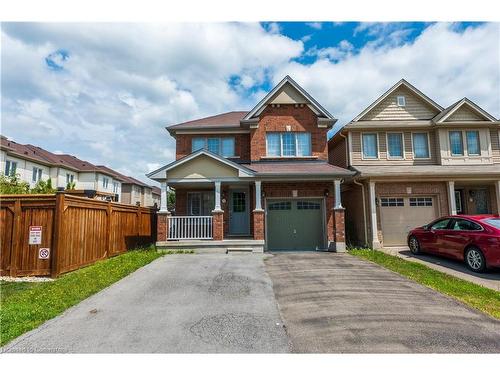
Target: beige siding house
[[416, 161]]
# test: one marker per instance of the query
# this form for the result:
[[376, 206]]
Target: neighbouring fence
[[77, 231]]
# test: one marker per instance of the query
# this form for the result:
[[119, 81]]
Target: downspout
[[347, 155], [364, 209]]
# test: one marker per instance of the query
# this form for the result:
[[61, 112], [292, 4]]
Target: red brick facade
[[162, 227], [258, 225], [300, 119], [218, 226]]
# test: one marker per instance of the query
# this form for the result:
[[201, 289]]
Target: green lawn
[[478, 297], [25, 306]]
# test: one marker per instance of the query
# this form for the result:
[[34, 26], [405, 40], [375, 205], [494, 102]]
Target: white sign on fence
[[44, 253], [35, 235]]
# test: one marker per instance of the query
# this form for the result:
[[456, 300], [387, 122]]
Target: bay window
[[288, 144], [456, 143], [473, 145], [370, 145], [219, 146]]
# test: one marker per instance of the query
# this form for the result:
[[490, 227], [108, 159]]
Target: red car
[[474, 239]]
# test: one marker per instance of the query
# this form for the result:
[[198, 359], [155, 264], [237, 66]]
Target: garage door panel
[[295, 224], [399, 215]]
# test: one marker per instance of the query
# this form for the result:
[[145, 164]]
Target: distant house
[[32, 164]]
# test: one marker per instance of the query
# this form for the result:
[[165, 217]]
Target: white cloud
[[315, 25], [445, 63], [123, 83]]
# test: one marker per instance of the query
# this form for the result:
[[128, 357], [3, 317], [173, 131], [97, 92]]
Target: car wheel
[[414, 245], [474, 259]]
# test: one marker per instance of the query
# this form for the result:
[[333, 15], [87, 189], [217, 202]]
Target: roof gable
[[418, 105], [288, 92], [463, 110], [206, 169]]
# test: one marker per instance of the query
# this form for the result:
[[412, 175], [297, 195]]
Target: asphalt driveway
[[337, 303], [177, 304]]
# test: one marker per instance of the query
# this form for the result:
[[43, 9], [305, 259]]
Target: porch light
[[326, 192]]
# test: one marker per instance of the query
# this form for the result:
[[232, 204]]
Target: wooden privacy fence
[[76, 231]]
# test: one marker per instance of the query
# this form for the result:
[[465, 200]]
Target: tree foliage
[[14, 185]]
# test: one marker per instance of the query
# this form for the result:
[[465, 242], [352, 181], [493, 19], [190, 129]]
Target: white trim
[[403, 100], [258, 195], [337, 196], [362, 147], [211, 131], [388, 157], [428, 145], [473, 106], [373, 211], [217, 197], [164, 198], [394, 88], [452, 206]]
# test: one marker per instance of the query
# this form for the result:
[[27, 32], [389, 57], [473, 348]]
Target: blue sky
[[105, 92]]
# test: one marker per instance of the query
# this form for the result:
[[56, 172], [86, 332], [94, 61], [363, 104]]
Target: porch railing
[[190, 228]]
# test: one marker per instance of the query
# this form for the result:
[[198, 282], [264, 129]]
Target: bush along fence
[[50, 234]]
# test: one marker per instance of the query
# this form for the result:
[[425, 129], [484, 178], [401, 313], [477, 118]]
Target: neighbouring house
[[134, 191], [32, 164], [415, 161], [255, 180]]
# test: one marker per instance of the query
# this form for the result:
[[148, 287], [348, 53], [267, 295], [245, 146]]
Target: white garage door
[[399, 215]]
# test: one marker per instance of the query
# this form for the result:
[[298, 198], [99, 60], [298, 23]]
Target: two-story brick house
[[415, 161], [255, 180]]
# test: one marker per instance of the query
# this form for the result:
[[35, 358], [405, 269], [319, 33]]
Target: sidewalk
[[490, 279]]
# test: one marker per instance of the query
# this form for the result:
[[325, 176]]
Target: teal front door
[[239, 220], [295, 224]]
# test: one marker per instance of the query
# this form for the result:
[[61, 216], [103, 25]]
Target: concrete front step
[[210, 246]]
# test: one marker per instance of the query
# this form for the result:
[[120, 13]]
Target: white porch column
[[452, 204], [373, 209], [217, 197], [258, 194], [338, 199], [164, 198], [497, 191]]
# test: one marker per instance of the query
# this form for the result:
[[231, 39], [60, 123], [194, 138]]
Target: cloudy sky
[[105, 92]]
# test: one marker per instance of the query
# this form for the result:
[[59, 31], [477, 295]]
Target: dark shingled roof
[[228, 119], [297, 168]]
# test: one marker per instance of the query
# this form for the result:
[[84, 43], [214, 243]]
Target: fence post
[[55, 263], [109, 213], [16, 237]]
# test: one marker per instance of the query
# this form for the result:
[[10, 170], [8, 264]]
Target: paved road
[[489, 279], [179, 303], [337, 303]]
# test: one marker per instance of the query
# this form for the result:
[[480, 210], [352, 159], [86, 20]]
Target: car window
[[441, 224], [462, 224], [493, 222]]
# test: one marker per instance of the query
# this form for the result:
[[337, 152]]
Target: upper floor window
[[401, 101], [116, 186], [37, 174], [289, 144], [421, 146], [105, 182], [395, 145], [456, 143], [473, 144], [370, 146], [220, 146], [10, 168]]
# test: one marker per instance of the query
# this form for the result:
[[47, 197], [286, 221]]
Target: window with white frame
[[200, 203], [105, 182], [401, 101], [370, 145], [395, 145], [37, 174], [70, 178], [220, 146], [473, 143], [288, 144], [421, 146], [392, 202], [421, 202], [116, 186], [456, 143], [10, 168]]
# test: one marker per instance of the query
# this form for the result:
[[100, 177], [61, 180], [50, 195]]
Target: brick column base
[[258, 224], [338, 243], [218, 225], [162, 226]]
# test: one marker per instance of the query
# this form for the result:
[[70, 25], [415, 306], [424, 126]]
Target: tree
[[70, 185], [43, 187], [13, 185], [171, 200]]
